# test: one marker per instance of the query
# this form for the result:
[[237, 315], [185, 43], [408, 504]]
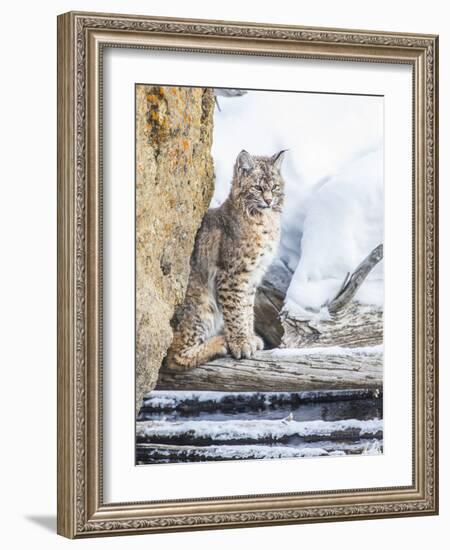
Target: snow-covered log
[[158, 401], [248, 432], [159, 453], [355, 325], [341, 322], [290, 370], [344, 321]]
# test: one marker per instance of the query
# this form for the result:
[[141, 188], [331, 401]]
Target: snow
[[374, 447], [333, 214], [225, 452], [229, 430], [310, 450], [331, 350], [162, 399], [161, 453], [171, 399], [343, 224], [322, 133], [168, 400]]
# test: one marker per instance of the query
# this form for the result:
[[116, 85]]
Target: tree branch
[[351, 284]]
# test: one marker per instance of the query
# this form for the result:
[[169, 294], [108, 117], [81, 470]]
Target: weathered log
[[269, 302], [158, 453], [349, 323], [250, 432], [200, 401], [355, 325], [284, 370], [309, 405]]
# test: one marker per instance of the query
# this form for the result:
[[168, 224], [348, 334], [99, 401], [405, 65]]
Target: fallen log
[[309, 405], [285, 370], [155, 453], [250, 432], [196, 401], [349, 323], [355, 325]]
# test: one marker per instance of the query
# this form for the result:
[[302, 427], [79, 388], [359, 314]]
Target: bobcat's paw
[[242, 348], [218, 347], [258, 343], [176, 363]]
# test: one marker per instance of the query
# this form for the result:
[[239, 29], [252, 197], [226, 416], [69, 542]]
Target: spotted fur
[[234, 247]]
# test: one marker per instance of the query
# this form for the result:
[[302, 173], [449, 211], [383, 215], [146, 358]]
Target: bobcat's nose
[[268, 200]]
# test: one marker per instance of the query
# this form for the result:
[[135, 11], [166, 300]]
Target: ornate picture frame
[[82, 38]]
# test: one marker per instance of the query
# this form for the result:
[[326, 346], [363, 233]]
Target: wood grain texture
[[291, 371], [354, 326], [160, 453], [349, 323], [254, 432]]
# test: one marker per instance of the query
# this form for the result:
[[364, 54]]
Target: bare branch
[[351, 285]]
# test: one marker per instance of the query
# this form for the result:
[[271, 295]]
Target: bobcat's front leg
[[258, 343], [237, 313]]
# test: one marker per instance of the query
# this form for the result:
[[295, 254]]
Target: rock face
[[174, 186]]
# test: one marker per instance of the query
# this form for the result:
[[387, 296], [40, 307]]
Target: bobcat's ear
[[244, 161], [277, 158]]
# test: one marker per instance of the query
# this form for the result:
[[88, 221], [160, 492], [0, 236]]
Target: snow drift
[[333, 215]]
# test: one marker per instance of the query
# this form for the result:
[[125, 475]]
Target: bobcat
[[233, 248]]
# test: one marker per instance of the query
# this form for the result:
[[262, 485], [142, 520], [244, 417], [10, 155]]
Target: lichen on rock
[[174, 185]]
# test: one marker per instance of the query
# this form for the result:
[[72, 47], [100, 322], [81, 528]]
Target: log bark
[[255, 432], [269, 301], [194, 402], [353, 326], [292, 371], [148, 453]]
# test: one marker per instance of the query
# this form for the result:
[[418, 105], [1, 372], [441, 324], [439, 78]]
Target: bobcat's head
[[257, 184]]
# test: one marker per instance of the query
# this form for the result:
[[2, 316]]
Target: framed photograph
[[247, 274]]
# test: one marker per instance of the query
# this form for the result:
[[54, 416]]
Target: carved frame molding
[[81, 37]]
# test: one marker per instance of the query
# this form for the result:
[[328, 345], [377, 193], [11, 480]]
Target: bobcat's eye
[[258, 188]]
